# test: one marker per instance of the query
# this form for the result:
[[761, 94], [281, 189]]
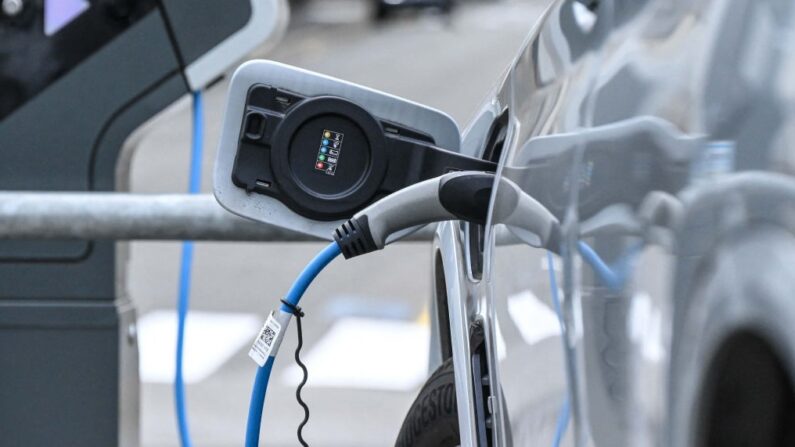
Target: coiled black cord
[[298, 313]]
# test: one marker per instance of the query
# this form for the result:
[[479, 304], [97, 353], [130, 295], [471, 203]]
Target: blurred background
[[448, 57]]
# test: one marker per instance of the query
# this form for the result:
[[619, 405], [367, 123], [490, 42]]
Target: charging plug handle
[[458, 195], [455, 196]]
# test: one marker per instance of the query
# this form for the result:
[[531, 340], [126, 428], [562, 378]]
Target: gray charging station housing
[[68, 349]]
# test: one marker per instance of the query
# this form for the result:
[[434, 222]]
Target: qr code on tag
[[267, 341], [267, 336]]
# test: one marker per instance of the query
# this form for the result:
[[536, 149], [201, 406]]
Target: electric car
[[659, 134]]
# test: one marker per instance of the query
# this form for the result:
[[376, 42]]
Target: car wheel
[[432, 420], [734, 355]]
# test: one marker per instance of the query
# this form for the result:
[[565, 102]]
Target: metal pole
[[122, 216]]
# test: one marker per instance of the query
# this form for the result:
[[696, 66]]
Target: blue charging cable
[[186, 266], [263, 373]]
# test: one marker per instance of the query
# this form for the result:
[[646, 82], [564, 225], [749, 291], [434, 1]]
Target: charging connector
[[455, 196]]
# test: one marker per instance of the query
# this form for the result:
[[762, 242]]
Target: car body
[[660, 134]]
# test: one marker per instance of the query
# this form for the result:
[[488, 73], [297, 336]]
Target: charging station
[[67, 330]]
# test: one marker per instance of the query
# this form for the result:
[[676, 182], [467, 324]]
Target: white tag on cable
[[267, 340]]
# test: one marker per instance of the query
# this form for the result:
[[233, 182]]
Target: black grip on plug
[[467, 196], [354, 237]]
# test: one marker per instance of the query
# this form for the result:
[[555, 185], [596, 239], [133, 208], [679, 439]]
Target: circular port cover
[[329, 158]]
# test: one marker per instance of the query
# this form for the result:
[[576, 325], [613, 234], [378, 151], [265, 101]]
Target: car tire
[[432, 420], [734, 354]]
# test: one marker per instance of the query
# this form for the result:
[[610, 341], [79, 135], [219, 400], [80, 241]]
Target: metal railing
[[124, 216]]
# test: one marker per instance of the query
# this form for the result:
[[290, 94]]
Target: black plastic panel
[[30, 61], [187, 16]]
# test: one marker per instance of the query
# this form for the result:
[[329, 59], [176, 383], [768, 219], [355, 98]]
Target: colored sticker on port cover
[[329, 152]]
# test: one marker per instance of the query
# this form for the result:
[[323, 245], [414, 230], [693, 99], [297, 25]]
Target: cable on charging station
[[186, 266]]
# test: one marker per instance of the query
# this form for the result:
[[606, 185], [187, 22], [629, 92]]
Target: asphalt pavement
[[450, 63]]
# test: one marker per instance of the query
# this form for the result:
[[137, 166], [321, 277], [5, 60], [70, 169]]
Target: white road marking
[[366, 353], [210, 340]]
